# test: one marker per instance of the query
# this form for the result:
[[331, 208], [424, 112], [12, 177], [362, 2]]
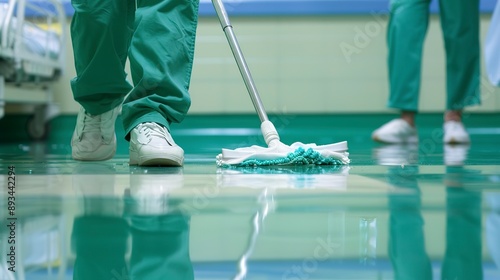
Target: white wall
[[299, 67]]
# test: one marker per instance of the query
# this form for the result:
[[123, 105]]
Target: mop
[[277, 153]]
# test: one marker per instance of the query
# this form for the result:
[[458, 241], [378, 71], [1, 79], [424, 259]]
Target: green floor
[[430, 211], [204, 136]]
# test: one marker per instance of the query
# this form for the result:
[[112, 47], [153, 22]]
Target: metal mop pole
[[240, 60], [268, 130]]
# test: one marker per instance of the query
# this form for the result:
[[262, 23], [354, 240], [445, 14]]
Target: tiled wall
[[299, 66]]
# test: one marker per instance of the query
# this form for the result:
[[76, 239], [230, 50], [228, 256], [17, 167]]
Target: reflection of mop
[[257, 221], [276, 153], [332, 177]]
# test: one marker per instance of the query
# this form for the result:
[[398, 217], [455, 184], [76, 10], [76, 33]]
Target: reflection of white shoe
[[94, 183], [396, 154], [396, 131], [152, 144], [455, 155], [94, 137], [455, 133], [150, 192]]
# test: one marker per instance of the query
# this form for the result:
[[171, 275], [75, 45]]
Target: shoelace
[[152, 129], [91, 124]]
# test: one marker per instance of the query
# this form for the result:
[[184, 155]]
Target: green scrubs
[[406, 34], [158, 37]]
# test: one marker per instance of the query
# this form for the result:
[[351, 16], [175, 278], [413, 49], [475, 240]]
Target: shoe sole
[[155, 161], [408, 141], [92, 157]]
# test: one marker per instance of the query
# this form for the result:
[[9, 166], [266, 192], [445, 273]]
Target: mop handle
[[240, 60]]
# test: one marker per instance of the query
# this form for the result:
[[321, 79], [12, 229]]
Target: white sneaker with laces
[[94, 137], [455, 133], [152, 144], [397, 131]]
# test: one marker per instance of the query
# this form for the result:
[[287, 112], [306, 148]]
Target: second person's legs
[[405, 39], [460, 24]]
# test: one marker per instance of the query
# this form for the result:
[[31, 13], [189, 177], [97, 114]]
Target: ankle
[[409, 117], [455, 115]]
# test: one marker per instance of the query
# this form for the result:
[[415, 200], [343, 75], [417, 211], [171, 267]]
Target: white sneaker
[[94, 137], [397, 131], [455, 133], [152, 144]]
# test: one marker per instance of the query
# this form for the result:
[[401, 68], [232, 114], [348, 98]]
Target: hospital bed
[[31, 58]]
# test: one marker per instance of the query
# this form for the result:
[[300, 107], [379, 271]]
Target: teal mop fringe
[[298, 157], [291, 169]]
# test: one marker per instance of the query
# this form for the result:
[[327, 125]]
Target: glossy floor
[[428, 211]]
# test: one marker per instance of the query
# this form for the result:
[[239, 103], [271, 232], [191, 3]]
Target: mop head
[[280, 154]]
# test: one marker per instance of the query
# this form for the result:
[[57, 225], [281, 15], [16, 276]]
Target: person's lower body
[[406, 35], [161, 57]]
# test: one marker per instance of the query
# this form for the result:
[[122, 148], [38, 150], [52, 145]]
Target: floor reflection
[[159, 235], [397, 218], [463, 229]]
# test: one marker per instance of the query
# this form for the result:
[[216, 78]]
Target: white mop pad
[[280, 154]]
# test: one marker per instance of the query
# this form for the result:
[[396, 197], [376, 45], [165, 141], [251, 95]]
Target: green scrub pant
[[405, 38], [158, 37]]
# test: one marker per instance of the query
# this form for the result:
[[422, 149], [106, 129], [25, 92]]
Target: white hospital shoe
[[152, 144], [94, 136], [455, 133], [397, 131]]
